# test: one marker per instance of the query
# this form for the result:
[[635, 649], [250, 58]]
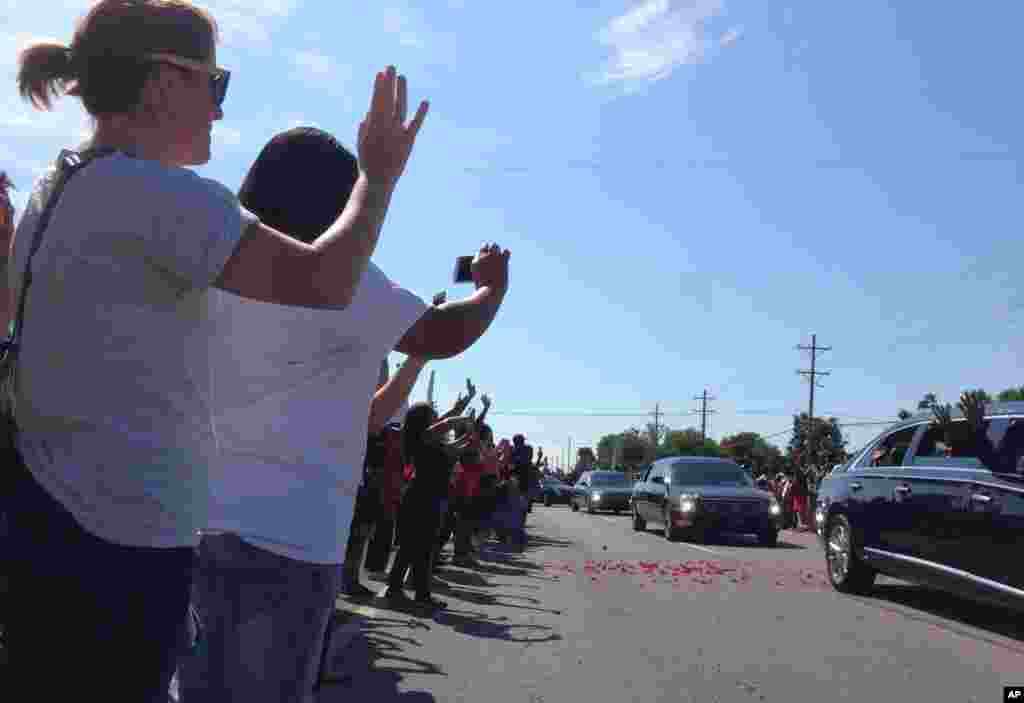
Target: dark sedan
[[702, 496], [940, 505], [601, 490], [554, 491]]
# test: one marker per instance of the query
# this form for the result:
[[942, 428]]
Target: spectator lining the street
[[391, 393], [114, 487], [424, 503], [291, 451]]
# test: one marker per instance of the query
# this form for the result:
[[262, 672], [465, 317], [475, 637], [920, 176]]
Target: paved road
[[596, 612]]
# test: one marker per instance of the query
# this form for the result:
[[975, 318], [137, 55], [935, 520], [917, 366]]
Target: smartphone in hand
[[463, 269]]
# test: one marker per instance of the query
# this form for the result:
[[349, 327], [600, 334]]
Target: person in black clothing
[[419, 517], [522, 467]]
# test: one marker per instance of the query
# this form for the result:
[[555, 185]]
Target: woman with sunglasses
[[115, 438]]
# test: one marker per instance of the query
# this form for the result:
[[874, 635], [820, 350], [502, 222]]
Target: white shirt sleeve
[[196, 225], [395, 309]]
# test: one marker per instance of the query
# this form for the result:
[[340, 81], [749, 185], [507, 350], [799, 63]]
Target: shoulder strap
[[68, 164]]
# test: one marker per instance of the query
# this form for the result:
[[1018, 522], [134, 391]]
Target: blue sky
[[689, 190]]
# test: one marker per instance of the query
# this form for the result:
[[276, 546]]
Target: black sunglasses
[[219, 77]]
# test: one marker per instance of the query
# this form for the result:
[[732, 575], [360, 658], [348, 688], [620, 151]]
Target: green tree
[[688, 442], [1011, 394], [607, 448], [751, 449], [815, 447]]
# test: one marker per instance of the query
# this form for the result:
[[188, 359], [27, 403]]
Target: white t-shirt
[[291, 392], [112, 423]]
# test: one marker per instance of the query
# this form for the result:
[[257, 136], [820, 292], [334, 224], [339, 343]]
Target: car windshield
[[609, 480], [709, 475]]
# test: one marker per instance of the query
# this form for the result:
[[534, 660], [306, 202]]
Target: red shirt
[[467, 479]]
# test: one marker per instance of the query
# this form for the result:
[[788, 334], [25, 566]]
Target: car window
[[1001, 449], [710, 474], [953, 448], [890, 451], [610, 480]]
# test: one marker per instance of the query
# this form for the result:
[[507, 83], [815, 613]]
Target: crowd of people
[[194, 382]]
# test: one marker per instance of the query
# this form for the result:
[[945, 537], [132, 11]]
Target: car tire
[[573, 506], [671, 533], [768, 538], [639, 524], [590, 507], [846, 571], [547, 501]]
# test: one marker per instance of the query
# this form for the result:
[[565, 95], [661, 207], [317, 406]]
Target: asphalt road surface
[[596, 612]]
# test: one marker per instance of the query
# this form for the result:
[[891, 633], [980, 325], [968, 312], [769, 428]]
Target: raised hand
[[972, 405], [385, 140], [490, 267], [943, 416]]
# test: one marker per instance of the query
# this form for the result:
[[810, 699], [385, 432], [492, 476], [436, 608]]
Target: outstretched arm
[[448, 329], [390, 397], [461, 403]]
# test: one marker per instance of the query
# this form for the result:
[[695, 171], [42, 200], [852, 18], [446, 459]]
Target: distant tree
[[688, 442], [1011, 394], [985, 397], [607, 448], [752, 450], [815, 447]]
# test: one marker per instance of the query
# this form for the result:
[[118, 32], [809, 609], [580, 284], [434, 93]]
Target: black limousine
[[937, 499]]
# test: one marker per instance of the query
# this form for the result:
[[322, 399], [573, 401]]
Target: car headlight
[[687, 505], [596, 496], [775, 508]]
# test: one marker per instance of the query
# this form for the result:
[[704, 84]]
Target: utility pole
[[657, 424], [813, 373], [704, 412]]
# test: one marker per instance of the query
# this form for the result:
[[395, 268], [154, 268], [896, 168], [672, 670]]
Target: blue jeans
[[264, 622]]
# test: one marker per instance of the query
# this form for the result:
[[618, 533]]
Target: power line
[[813, 373]]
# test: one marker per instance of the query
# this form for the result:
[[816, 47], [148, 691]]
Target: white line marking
[[703, 549]]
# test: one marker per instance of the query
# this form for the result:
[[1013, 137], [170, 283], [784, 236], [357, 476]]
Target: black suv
[[939, 506]]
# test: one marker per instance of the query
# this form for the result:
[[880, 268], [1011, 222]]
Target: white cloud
[[655, 37]]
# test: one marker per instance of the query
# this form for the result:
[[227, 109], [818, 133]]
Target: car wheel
[[573, 506], [590, 507], [768, 538], [547, 501], [846, 571], [671, 534], [639, 524]]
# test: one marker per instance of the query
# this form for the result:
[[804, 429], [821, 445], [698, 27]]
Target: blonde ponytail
[[45, 70]]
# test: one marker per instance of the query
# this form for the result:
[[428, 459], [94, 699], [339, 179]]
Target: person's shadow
[[374, 663]]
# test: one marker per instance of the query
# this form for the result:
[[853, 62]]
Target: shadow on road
[[997, 621], [374, 663]]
